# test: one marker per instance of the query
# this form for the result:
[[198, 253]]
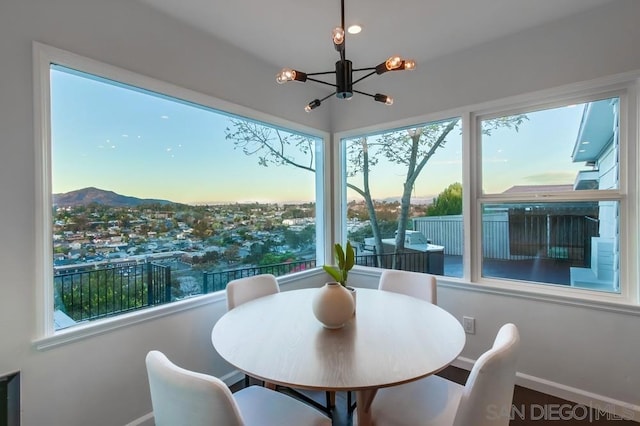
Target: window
[[156, 198], [407, 182], [541, 199], [550, 203]]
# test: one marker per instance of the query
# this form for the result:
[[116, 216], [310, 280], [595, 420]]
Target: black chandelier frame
[[344, 80]]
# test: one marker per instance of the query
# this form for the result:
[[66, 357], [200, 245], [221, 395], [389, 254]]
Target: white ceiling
[[297, 33]]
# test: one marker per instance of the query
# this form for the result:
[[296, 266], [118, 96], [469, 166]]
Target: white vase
[[352, 291], [333, 305]]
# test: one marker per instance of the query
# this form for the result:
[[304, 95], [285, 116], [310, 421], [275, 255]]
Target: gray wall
[[593, 44], [101, 380], [575, 352]]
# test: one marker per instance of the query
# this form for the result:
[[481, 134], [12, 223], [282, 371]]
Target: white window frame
[[626, 194], [43, 57], [626, 86], [339, 196]]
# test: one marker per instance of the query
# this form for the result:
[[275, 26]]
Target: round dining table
[[391, 339]]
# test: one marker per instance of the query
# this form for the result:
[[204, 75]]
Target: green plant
[[345, 259]]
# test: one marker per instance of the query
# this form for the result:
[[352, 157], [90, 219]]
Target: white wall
[[572, 349], [101, 380]]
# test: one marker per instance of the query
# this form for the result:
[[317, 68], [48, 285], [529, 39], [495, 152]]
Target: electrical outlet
[[469, 325]]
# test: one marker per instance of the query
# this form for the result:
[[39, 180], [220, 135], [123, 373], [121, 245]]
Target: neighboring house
[[596, 146]]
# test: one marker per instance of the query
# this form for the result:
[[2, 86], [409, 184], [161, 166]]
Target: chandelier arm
[[363, 77], [364, 93], [322, 82], [327, 97], [321, 73], [364, 69]]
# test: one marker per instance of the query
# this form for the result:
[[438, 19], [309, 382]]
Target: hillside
[[90, 195]]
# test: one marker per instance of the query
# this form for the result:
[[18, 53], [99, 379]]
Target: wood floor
[[530, 407]]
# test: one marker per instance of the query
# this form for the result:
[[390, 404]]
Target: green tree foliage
[[201, 229], [300, 239], [275, 259], [448, 202], [103, 292], [210, 257], [232, 253]]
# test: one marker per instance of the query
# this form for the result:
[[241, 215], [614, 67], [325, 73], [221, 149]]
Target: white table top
[[392, 339]]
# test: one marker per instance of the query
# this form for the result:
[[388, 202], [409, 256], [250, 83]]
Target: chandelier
[[344, 79]]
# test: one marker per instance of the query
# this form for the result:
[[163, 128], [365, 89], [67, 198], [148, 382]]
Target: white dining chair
[[415, 284], [485, 399], [245, 289], [181, 397]]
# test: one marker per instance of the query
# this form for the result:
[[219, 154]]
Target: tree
[[300, 238], [201, 229], [231, 253], [412, 148], [448, 202]]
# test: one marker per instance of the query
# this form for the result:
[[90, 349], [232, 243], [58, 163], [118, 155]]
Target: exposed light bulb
[[393, 62], [379, 97], [312, 105], [409, 64], [285, 74], [338, 35]]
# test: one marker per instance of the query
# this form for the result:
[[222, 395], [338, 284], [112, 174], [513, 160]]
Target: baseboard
[[146, 420], [232, 378], [464, 363], [601, 403]]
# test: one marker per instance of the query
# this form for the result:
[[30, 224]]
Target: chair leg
[[327, 409], [247, 383], [350, 406]]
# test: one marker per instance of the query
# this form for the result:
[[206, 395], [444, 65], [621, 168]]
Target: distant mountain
[[414, 200], [87, 196]]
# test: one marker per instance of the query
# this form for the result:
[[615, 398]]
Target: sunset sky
[[135, 143]]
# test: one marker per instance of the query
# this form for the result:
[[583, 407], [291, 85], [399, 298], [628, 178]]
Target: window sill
[[97, 327], [611, 302], [93, 328]]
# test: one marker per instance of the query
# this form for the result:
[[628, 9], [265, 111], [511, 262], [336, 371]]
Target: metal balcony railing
[[87, 294], [91, 292], [216, 281]]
